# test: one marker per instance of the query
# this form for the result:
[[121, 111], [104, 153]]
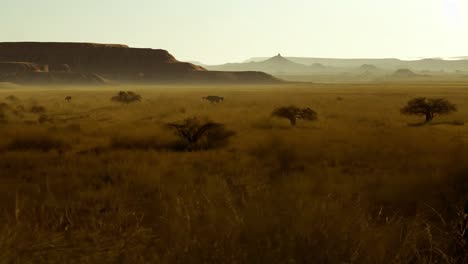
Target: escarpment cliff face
[[113, 62]]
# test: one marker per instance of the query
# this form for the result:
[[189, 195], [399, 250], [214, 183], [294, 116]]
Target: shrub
[[36, 142], [43, 118], [126, 97], [213, 98], [292, 113], [4, 109], [196, 134], [37, 109], [4, 106], [422, 106], [12, 98]]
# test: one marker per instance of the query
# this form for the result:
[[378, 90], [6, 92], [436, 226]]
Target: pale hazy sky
[[218, 31]]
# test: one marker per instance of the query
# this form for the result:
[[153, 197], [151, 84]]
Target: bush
[[36, 142], [4, 110], [196, 134], [43, 118], [126, 97], [12, 98], [37, 109], [292, 113], [213, 98]]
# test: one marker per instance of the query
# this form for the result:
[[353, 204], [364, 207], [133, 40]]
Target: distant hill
[[197, 63], [317, 66], [274, 65], [388, 64], [89, 62], [404, 73], [368, 67]]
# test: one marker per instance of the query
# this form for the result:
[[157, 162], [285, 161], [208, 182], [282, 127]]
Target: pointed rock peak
[[279, 59]]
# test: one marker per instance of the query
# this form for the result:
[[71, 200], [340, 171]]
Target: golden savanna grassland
[[95, 181]]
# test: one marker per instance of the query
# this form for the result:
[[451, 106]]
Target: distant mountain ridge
[[386, 63], [275, 65]]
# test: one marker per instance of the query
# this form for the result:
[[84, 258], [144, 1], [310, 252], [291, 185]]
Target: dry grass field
[[96, 181]]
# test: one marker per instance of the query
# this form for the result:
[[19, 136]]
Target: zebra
[[213, 98]]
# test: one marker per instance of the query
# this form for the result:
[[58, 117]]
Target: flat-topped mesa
[[33, 62], [18, 67], [110, 60]]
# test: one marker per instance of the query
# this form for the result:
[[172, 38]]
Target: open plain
[[89, 180]]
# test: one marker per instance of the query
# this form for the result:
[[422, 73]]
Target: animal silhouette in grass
[[428, 107], [213, 98], [68, 98], [197, 134], [292, 113], [126, 97]]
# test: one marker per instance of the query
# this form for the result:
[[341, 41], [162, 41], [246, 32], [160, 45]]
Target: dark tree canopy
[[292, 113], [193, 131], [428, 107], [126, 97]]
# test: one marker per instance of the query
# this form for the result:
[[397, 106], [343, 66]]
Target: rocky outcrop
[[17, 67], [24, 73], [111, 61], [59, 68], [114, 62]]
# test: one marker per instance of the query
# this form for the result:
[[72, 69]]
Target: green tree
[[422, 106]]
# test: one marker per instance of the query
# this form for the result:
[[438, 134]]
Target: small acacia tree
[[422, 106], [126, 97], [198, 134], [292, 113]]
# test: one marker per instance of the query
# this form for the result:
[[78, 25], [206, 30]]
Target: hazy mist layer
[[213, 31]]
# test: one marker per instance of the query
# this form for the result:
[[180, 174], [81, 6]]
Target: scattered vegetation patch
[[126, 97], [43, 118], [36, 142], [37, 109], [12, 98], [6, 111]]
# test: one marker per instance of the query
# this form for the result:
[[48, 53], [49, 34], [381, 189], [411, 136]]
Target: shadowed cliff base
[[41, 62]]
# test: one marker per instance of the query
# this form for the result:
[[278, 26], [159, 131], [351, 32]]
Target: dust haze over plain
[[216, 32]]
